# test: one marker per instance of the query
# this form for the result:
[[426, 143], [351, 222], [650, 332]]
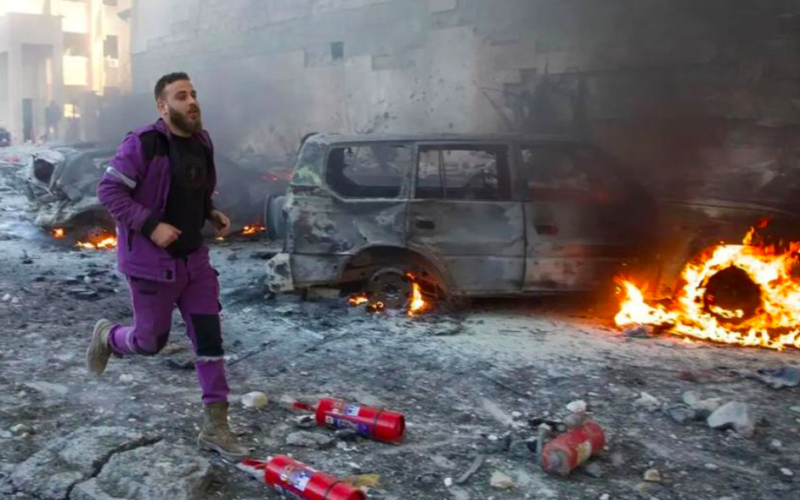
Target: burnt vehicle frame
[[465, 216], [61, 181]]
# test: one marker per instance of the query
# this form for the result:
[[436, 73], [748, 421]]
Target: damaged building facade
[[699, 98], [68, 52]]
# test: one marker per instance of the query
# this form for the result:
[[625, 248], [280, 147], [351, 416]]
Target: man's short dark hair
[[167, 79]]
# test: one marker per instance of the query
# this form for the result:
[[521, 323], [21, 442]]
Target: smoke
[[697, 99]]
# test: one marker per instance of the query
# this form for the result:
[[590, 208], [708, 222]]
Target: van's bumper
[[289, 272]]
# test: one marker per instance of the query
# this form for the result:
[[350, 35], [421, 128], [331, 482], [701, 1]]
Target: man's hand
[[165, 235], [221, 222]]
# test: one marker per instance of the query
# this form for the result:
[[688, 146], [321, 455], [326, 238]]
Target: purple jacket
[[134, 190]]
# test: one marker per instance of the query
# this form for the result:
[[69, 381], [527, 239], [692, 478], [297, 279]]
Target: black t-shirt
[[186, 202]]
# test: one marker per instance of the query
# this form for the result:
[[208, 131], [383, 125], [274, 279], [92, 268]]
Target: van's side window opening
[[564, 174], [368, 171], [479, 173]]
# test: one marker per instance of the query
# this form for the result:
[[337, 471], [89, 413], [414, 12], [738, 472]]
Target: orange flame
[[59, 233], [101, 242], [775, 324], [418, 304], [251, 230], [357, 300]]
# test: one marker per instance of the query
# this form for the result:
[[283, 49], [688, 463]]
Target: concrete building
[[64, 51], [699, 97], [271, 71]]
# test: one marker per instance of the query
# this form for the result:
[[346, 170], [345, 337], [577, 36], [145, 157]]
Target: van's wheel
[[390, 287]]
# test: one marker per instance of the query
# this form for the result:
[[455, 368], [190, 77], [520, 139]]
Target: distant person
[[52, 115], [158, 188]]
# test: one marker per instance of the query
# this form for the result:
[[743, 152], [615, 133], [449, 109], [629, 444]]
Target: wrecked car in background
[[62, 183], [462, 216]]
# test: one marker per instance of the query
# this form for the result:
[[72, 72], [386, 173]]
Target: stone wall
[[698, 98]]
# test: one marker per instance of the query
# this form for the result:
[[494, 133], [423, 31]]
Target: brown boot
[[216, 435], [99, 351]]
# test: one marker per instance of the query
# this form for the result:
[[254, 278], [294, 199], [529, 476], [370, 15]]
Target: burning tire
[[741, 294], [732, 296], [390, 288], [393, 278]]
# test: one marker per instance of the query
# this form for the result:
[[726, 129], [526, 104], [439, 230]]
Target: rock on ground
[[648, 402], [51, 473], [307, 439], [734, 415], [652, 476], [681, 413], [501, 481], [703, 407], [158, 472]]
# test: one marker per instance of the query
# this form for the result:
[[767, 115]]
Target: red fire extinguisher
[[297, 480], [381, 425], [571, 449]]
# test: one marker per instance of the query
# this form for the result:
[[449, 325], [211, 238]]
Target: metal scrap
[[475, 467]]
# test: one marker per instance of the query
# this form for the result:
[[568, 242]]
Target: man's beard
[[184, 123]]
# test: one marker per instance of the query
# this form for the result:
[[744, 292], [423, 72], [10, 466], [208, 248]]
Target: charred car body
[[463, 216], [62, 183]]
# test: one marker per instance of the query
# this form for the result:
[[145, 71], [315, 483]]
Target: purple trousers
[[195, 292]]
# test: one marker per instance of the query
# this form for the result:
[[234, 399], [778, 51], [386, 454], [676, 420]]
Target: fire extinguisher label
[[352, 410], [343, 423], [300, 480], [584, 451], [339, 423]]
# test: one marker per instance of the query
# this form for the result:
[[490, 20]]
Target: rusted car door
[[464, 215], [581, 217], [367, 200], [346, 197]]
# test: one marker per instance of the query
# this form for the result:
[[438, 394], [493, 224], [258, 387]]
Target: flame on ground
[[773, 324], [59, 233], [359, 299], [254, 229], [100, 242], [416, 306]]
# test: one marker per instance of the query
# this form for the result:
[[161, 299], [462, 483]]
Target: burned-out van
[[466, 216]]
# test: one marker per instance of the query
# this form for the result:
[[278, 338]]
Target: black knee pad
[[209, 335]]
